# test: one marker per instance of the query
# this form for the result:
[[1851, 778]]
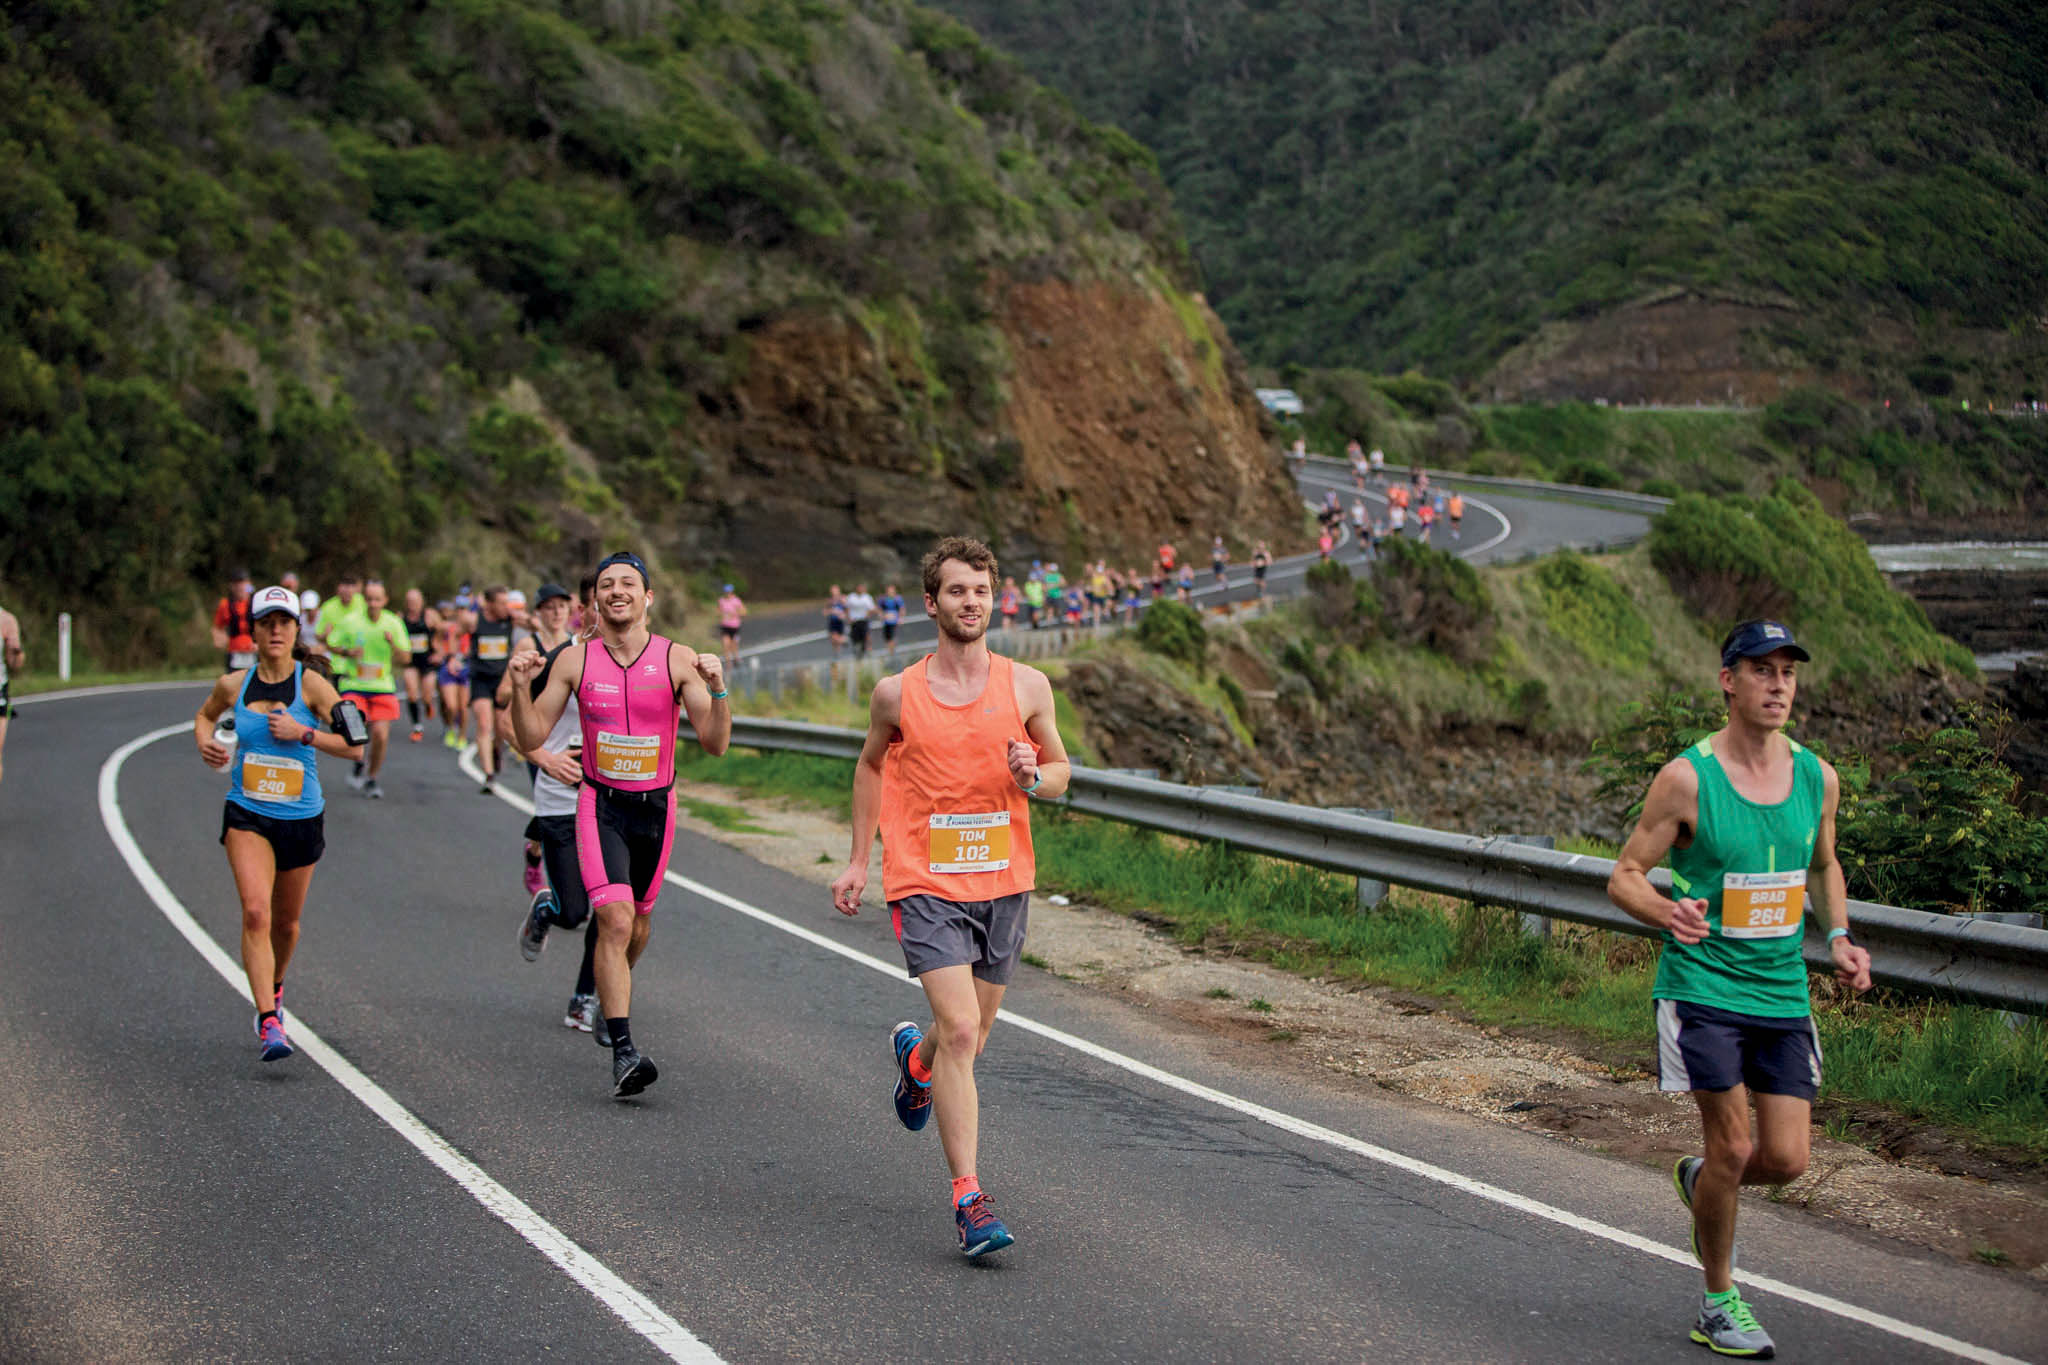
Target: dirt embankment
[[1478, 780], [1682, 346], [1126, 417]]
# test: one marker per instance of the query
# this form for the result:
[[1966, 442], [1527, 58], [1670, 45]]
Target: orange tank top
[[955, 824]]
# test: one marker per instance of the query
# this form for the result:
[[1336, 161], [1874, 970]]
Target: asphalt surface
[[165, 1196], [1497, 527]]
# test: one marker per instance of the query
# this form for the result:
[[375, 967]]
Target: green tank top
[[1748, 863]]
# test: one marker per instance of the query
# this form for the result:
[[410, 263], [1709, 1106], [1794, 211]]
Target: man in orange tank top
[[958, 744]]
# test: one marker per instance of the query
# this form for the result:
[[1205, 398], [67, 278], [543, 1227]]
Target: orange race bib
[[1763, 904], [628, 758], [493, 647], [268, 777], [970, 843], [416, 643], [368, 672]]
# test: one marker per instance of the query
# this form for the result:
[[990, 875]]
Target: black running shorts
[[296, 843]]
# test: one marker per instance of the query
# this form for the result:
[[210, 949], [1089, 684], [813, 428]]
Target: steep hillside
[[1636, 199], [780, 288]]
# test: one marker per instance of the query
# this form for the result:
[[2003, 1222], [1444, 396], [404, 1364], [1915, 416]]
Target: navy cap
[[625, 557], [549, 592], [1752, 639]]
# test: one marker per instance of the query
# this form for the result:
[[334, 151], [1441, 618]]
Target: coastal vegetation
[[1917, 459], [326, 286], [1404, 185]]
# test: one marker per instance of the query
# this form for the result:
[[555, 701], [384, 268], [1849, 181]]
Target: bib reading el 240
[[970, 843]]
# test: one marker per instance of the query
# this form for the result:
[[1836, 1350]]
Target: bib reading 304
[[970, 843]]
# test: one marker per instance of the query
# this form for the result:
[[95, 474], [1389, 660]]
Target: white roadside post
[[64, 646]]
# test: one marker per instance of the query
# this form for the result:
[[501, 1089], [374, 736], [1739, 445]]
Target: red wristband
[[307, 738]]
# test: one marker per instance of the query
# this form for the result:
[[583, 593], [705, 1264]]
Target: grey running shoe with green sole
[[1730, 1329], [1684, 1176]]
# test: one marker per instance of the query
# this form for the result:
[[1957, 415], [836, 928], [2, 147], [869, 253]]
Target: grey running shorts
[[985, 935]]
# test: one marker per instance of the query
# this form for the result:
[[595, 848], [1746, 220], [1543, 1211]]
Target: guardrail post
[[1536, 926], [1372, 893], [64, 645]]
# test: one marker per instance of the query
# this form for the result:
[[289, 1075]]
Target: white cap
[[515, 598], [274, 599], [309, 602]]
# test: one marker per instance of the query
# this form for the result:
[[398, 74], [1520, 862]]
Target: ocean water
[[1962, 554]]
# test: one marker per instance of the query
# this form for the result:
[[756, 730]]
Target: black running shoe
[[533, 930], [631, 1072]]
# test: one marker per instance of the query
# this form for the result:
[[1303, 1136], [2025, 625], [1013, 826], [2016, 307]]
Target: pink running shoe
[[535, 880]]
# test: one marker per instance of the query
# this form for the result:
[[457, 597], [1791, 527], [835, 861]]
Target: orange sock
[[964, 1188], [919, 1071]]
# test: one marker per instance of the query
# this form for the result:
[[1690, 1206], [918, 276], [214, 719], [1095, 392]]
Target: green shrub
[[1646, 737], [1661, 488], [1426, 597], [1945, 832], [1587, 474], [1420, 395], [1584, 604], [1785, 558], [1175, 630]]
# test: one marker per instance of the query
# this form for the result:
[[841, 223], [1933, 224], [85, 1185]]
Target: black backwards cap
[[1754, 638], [625, 557]]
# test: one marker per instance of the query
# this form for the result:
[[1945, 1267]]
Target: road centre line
[[1316, 1132], [637, 1311]]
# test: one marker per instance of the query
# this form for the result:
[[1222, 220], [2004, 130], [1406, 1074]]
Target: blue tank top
[[281, 781]]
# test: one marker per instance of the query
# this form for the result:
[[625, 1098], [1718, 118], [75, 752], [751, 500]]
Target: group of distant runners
[[958, 746]]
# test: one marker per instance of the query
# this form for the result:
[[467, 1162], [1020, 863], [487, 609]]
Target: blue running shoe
[[980, 1230], [270, 1034], [913, 1101]]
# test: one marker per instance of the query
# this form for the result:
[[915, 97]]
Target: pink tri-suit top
[[630, 715]]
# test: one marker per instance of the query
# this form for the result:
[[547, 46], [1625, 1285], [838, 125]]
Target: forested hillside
[[1847, 191], [778, 288]]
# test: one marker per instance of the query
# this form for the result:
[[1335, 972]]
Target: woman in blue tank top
[[272, 827]]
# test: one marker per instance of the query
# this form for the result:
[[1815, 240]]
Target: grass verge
[[1965, 1068]]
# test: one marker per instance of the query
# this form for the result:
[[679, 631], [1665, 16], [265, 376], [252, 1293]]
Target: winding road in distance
[[1499, 526]]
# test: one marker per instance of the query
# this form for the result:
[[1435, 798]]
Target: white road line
[[108, 689], [633, 1308], [1479, 1189]]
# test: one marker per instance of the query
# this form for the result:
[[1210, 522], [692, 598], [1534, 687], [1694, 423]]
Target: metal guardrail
[[1980, 961]]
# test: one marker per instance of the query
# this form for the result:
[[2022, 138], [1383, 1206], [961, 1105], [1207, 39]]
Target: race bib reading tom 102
[[1762, 904], [970, 843]]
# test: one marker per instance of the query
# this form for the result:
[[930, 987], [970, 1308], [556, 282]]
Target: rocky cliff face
[[1126, 417]]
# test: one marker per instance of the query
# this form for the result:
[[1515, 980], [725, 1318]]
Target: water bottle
[[224, 735]]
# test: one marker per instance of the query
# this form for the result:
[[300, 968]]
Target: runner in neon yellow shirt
[[375, 643], [347, 602]]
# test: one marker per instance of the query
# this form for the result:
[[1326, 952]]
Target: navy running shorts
[[1703, 1047]]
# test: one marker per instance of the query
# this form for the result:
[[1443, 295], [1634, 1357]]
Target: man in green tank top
[[1747, 817]]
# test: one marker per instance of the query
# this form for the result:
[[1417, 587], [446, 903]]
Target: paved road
[[1499, 527], [163, 1196]]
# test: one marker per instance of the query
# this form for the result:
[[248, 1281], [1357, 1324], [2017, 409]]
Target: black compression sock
[[413, 709], [619, 1035], [586, 975]]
